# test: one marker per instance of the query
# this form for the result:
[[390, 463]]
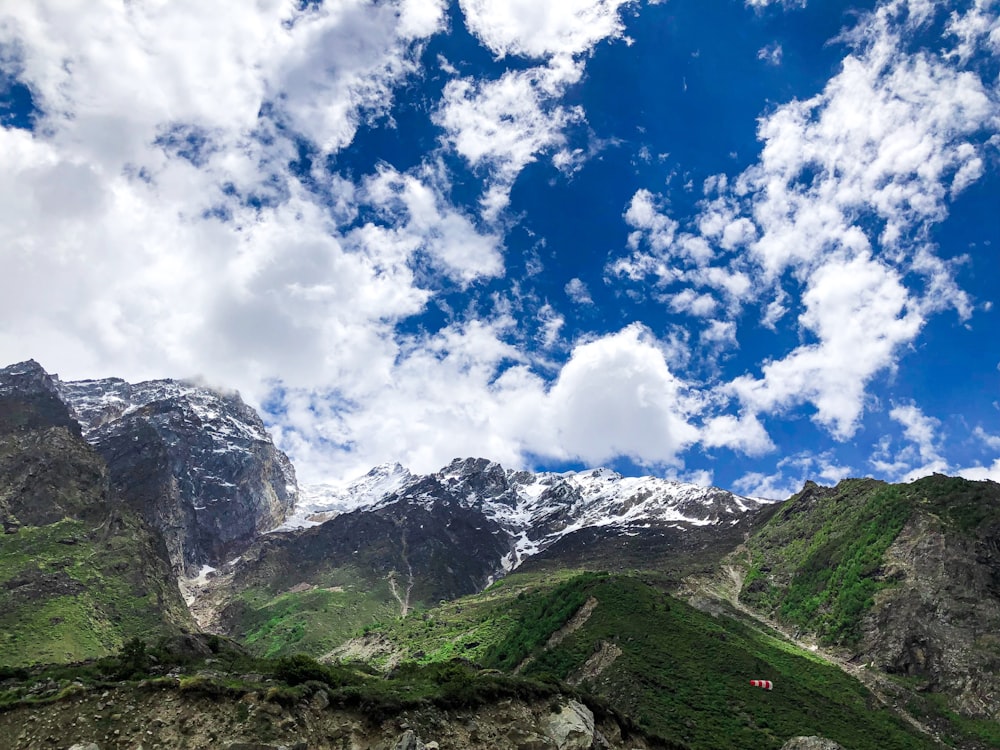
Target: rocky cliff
[[904, 578], [196, 463], [79, 571]]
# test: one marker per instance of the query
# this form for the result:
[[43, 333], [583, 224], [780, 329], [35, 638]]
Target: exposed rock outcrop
[[940, 621], [196, 463], [171, 718], [811, 743]]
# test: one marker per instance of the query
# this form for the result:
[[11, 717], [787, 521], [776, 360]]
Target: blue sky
[[741, 243]]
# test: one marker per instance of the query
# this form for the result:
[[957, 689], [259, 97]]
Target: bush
[[300, 668]]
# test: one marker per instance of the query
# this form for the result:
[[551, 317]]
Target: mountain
[[873, 608], [196, 463], [412, 541], [903, 578], [80, 573], [535, 510]]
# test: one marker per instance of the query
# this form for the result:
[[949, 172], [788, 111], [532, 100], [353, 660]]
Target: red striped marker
[[766, 684]]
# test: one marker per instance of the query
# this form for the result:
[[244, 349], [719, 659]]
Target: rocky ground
[[128, 719]]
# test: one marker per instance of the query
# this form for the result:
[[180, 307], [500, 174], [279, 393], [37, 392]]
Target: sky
[[738, 243]]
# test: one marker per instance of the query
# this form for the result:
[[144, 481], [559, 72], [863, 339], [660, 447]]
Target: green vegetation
[[312, 621], [286, 681], [682, 674], [818, 563], [539, 617], [820, 569], [66, 594]]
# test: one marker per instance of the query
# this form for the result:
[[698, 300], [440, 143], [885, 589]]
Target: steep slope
[[903, 577], [308, 592], [416, 540], [682, 674], [79, 572], [197, 464]]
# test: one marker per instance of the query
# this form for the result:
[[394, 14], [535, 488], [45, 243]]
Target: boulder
[[572, 727]]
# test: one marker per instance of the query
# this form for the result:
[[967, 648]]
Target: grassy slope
[[309, 622], [682, 674], [817, 564], [67, 602]]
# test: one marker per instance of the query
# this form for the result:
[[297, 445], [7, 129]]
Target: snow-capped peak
[[535, 509], [321, 502]]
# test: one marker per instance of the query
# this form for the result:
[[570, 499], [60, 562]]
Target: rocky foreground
[[173, 717]]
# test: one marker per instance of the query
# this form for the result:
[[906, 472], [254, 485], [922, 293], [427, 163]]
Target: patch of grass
[[67, 593], [311, 622]]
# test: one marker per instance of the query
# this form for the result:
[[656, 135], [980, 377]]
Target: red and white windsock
[[766, 684]]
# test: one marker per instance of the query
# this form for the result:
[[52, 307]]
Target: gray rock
[[811, 743], [85, 746], [198, 464], [320, 701], [409, 741], [572, 728]]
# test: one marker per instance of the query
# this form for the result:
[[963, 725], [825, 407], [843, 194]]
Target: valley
[[157, 544]]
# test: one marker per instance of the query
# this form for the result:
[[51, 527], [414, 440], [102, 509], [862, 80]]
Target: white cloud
[[858, 312], [980, 473], [689, 301], [771, 54], [551, 324], [503, 125], [616, 396], [991, 441], [577, 291], [465, 387], [745, 434], [891, 138], [542, 29], [758, 4], [447, 236], [919, 429]]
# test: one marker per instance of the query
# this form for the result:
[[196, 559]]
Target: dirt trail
[[404, 599]]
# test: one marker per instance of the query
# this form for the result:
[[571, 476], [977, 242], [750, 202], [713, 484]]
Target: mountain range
[[160, 515]]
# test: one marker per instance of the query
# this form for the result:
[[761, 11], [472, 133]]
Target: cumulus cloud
[[617, 396], [532, 29], [745, 434], [858, 312]]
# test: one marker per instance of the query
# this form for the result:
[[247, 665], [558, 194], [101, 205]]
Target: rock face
[[940, 621], [905, 578], [47, 472], [427, 554], [811, 743], [197, 464]]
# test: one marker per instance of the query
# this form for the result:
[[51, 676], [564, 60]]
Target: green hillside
[[69, 592], [680, 673]]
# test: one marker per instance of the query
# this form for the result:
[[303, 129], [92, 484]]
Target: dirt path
[[403, 599]]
